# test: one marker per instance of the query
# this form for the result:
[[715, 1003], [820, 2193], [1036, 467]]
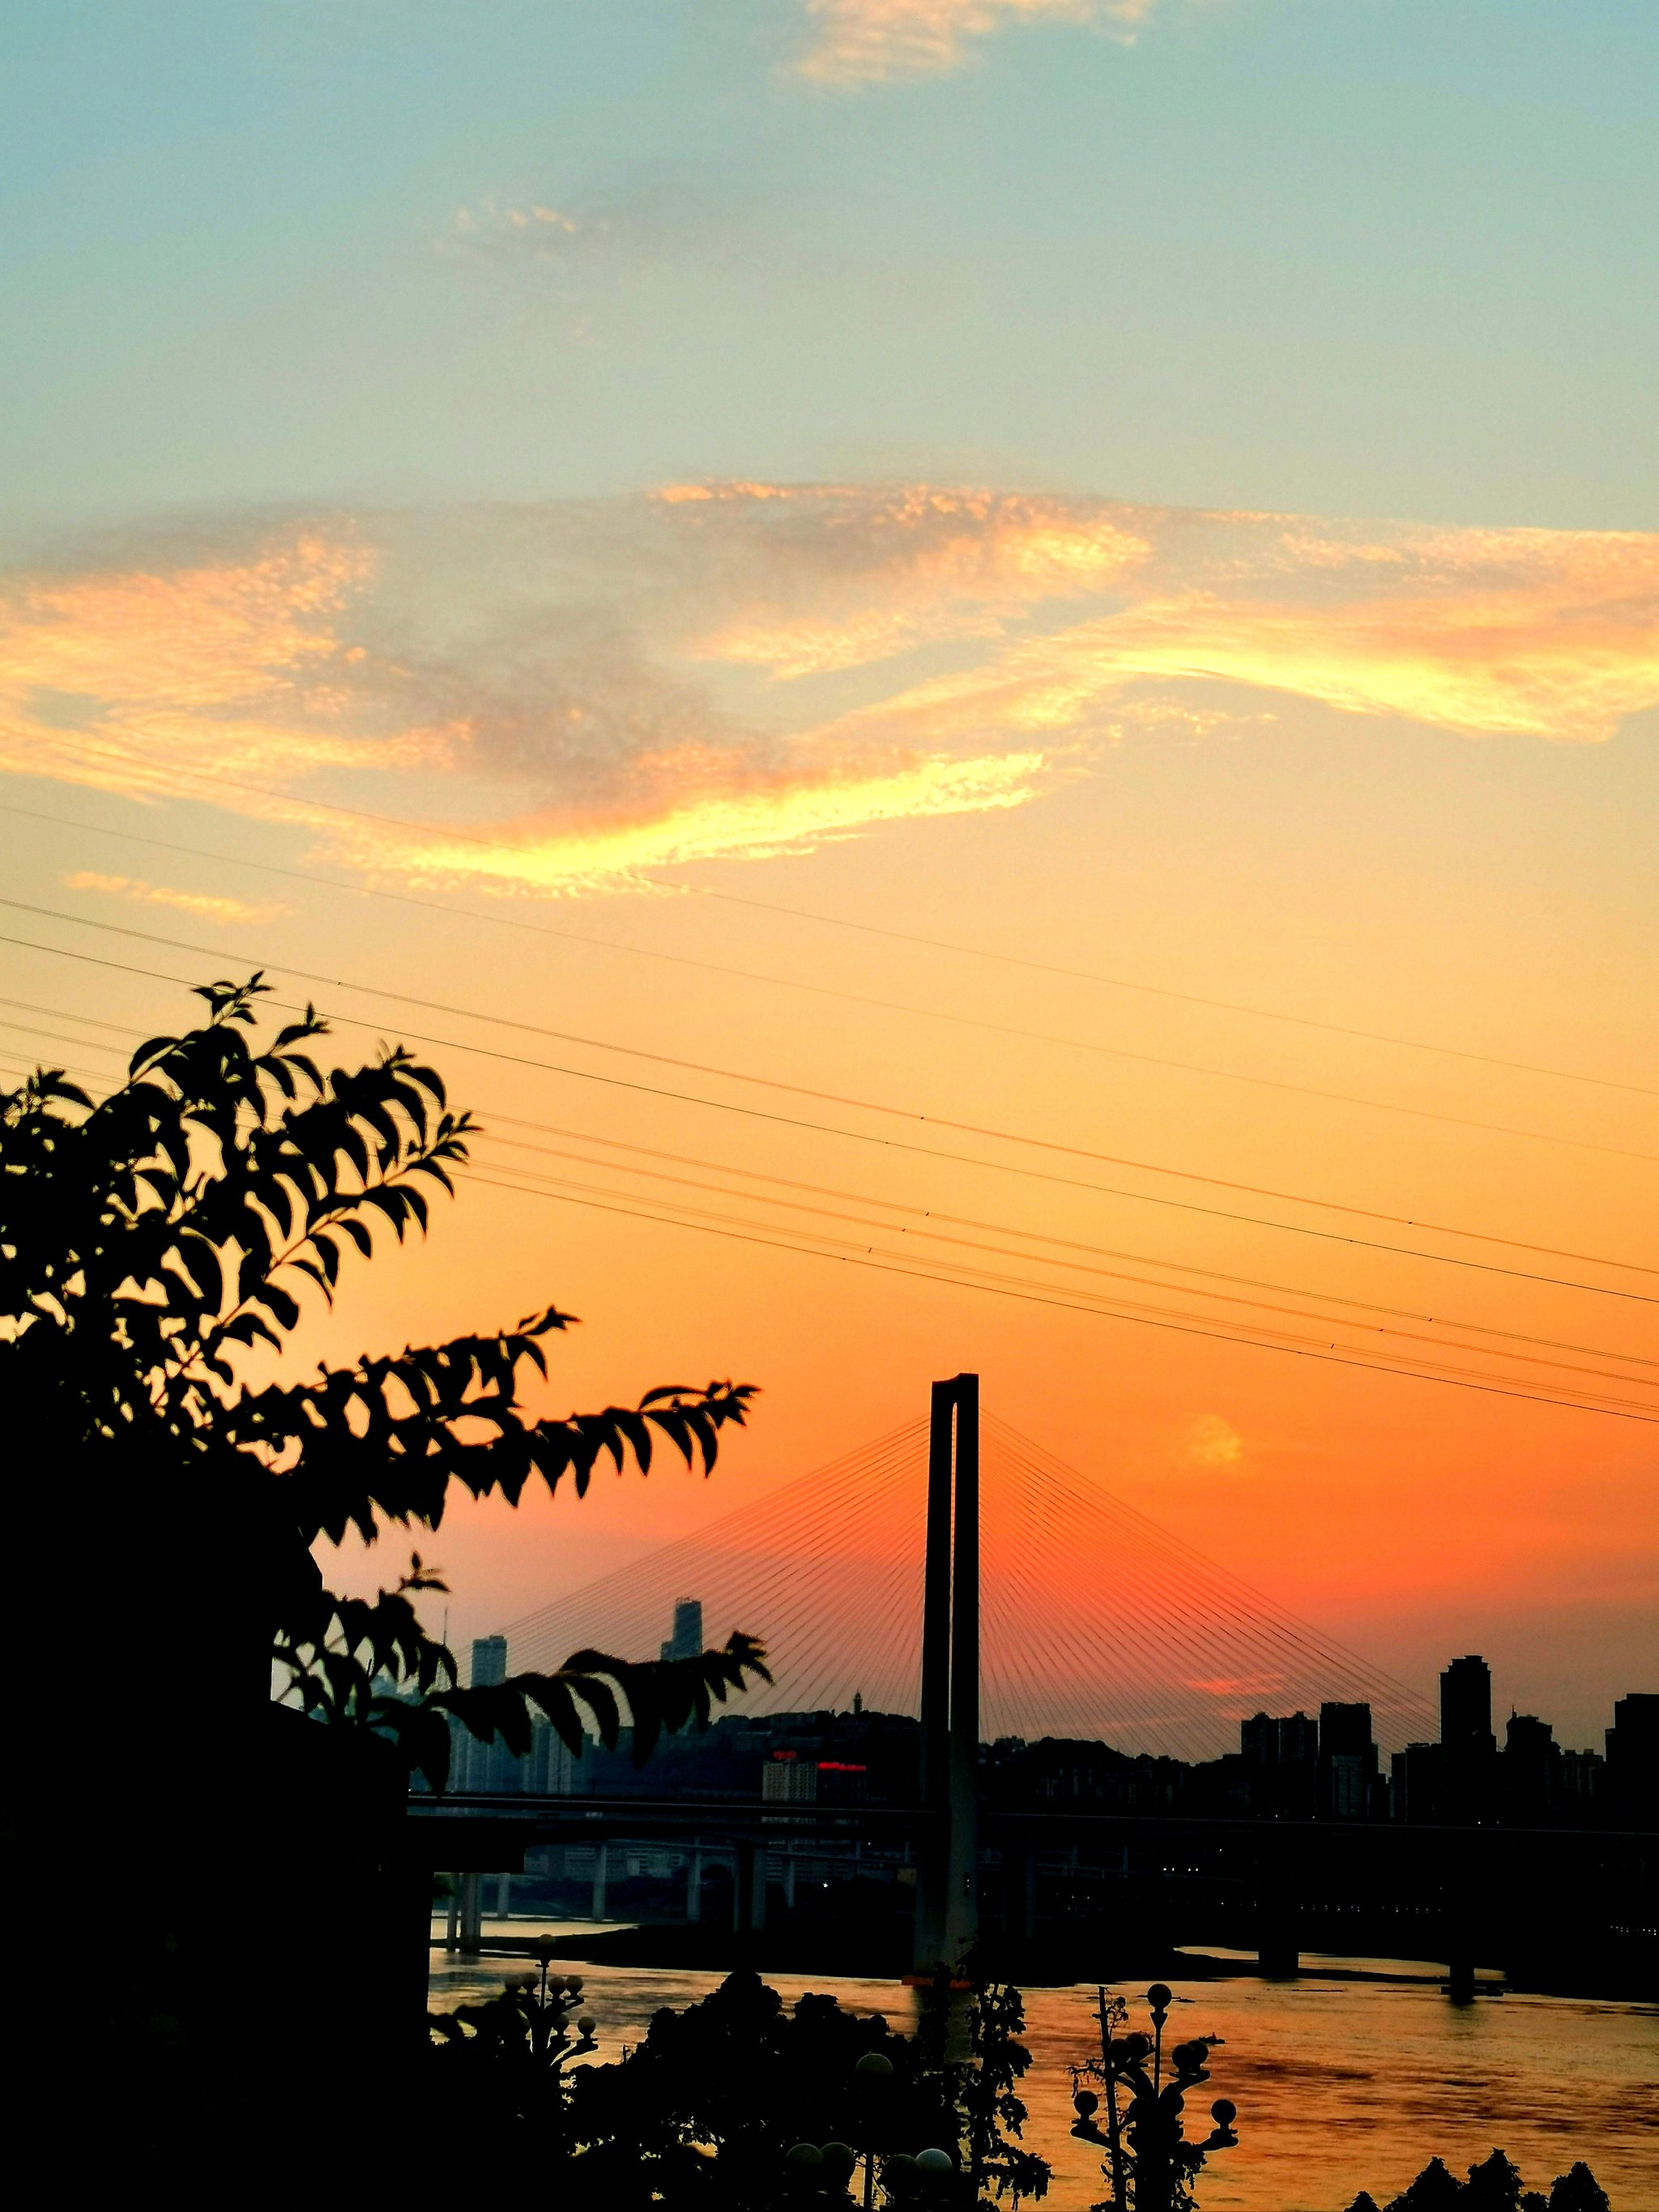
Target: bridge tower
[[947, 1895]]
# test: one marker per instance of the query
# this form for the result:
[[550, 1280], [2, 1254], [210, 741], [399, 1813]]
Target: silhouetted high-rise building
[[1279, 1757], [1258, 1741], [685, 1639], [1469, 1745], [1415, 1776], [1583, 1778], [1348, 1762], [474, 1765], [1298, 1741], [1633, 1771], [1532, 1761], [1465, 1708]]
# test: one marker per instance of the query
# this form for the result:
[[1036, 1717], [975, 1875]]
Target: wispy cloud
[[545, 697], [862, 41], [643, 213], [492, 228], [209, 906], [1213, 1443]]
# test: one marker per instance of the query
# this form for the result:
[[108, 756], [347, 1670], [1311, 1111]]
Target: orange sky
[[1391, 778]]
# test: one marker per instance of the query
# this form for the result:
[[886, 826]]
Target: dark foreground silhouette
[[1494, 2186], [240, 1739], [739, 2104]]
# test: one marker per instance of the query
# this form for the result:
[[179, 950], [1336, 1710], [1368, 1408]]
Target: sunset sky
[[1066, 586]]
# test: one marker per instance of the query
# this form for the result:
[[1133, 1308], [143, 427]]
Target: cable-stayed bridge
[[956, 1575], [1095, 1621]]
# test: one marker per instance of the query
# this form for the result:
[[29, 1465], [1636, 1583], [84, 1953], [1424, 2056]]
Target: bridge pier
[[749, 1894], [1019, 1895], [693, 1885], [1278, 1949], [471, 1913], [1460, 1914], [601, 1875]]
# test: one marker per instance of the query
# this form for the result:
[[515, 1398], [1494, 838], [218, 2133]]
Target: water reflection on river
[[1340, 2085]]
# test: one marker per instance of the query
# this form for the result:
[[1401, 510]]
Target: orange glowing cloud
[[538, 699], [929, 565], [861, 41], [125, 678], [209, 905], [782, 815]]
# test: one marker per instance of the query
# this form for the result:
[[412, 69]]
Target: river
[[1340, 2084]]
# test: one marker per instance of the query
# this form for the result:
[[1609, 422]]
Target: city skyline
[[1294, 1766]]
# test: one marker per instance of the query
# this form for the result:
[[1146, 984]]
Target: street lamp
[[1147, 2090], [826, 2170], [548, 2001]]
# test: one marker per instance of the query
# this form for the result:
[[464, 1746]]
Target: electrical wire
[[301, 809], [852, 998], [1119, 1275], [728, 1106], [1072, 1305], [1096, 1252], [494, 1121], [952, 1270]]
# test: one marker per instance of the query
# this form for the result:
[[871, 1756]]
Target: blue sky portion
[[1341, 256]]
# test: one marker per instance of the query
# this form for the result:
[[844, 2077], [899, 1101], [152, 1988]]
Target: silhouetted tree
[[1494, 2186], [1577, 2191], [151, 1243], [1435, 2190], [169, 1483]]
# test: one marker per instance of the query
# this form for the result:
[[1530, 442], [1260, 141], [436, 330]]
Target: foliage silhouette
[[1577, 2191], [154, 1249], [1494, 2186], [985, 2090], [705, 2111]]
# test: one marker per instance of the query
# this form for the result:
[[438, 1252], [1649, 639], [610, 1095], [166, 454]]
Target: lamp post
[[1146, 2089], [548, 1999], [825, 2171]]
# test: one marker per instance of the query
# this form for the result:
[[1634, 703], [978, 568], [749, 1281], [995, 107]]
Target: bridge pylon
[[947, 1892]]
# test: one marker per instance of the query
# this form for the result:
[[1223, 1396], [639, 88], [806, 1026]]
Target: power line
[[930, 1214], [302, 807], [1071, 1305], [494, 1120], [826, 1097], [1096, 1252], [1184, 1290], [900, 1144], [969, 1272], [1066, 1244], [850, 998]]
